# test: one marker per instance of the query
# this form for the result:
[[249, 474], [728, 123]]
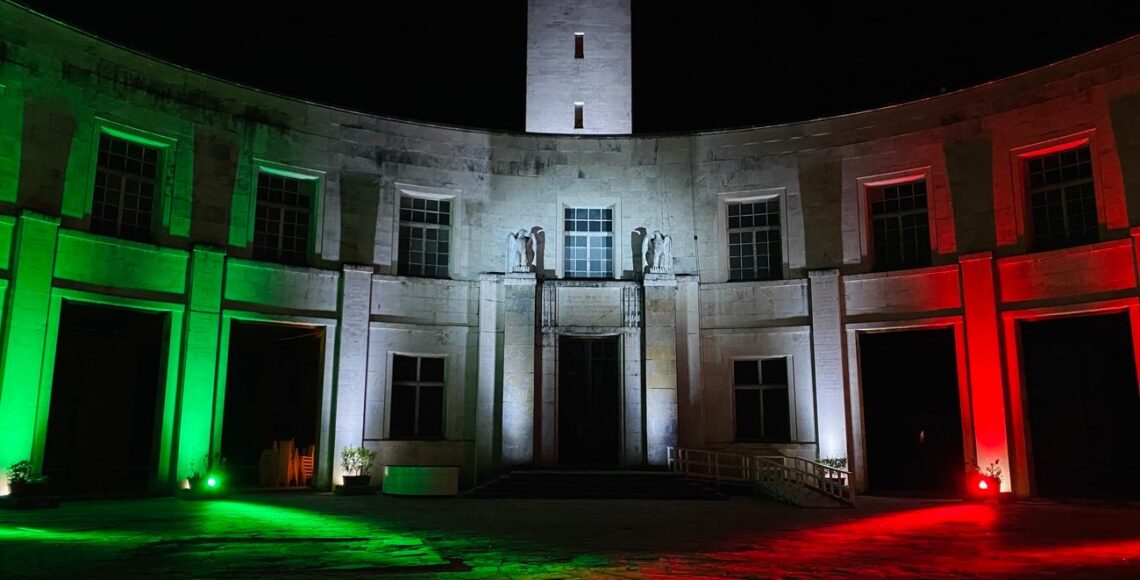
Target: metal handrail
[[785, 478]]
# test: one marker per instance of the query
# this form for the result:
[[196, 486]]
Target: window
[[579, 45], [900, 226], [578, 115], [425, 236], [1062, 199], [281, 222], [126, 180], [417, 398], [588, 251], [754, 251], [761, 391]]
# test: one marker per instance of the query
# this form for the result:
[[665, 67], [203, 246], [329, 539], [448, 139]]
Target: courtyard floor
[[273, 535]]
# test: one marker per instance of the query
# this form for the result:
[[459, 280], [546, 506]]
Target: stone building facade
[[373, 270]]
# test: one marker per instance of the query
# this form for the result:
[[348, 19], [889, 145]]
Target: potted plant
[[356, 462], [21, 482], [27, 489], [985, 483]]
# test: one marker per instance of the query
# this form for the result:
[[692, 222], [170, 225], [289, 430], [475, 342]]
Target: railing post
[[716, 469]]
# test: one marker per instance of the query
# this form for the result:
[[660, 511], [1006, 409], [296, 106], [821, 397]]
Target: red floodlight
[[982, 487]]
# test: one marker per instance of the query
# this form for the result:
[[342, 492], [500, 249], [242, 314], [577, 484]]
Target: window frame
[[316, 214], [866, 232], [747, 196], [390, 390], [1019, 158], [868, 190], [309, 182], [579, 115], [788, 386], [164, 176], [618, 252], [579, 45], [119, 194], [433, 193]]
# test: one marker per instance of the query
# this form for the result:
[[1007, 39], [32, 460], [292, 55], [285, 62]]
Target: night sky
[[698, 65]]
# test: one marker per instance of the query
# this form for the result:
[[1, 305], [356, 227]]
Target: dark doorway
[[911, 413], [589, 402], [104, 415], [1083, 406], [273, 394]]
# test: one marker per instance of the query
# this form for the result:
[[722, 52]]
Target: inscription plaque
[[589, 306]]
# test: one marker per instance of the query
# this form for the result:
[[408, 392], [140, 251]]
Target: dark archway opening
[[589, 402], [273, 394], [911, 413], [1083, 406], [105, 401]]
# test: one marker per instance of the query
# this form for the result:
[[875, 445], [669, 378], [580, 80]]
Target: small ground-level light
[[982, 487]]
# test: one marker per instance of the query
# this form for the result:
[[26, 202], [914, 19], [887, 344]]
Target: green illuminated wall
[[11, 142], [103, 261], [176, 166], [24, 334], [200, 357]]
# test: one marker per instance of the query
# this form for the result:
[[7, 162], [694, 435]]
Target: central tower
[[579, 67]]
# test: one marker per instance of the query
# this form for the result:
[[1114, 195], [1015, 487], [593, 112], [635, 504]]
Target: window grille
[[126, 181], [425, 237], [754, 243], [588, 251], [900, 227], [1062, 199], [760, 388], [417, 398], [281, 223]]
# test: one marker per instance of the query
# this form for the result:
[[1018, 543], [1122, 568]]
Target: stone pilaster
[[660, 366], [518, 369], [829, 359], [983, 350], [488, 407], [200, 358], [23, 408], [690, 418], [352, 369]]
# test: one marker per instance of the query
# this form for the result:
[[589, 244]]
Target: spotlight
[[212, 482]]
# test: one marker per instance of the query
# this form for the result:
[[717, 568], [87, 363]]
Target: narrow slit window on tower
[[579, 45], [578, 115]]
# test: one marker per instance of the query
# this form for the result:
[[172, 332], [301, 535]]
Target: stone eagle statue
[[521, 251], [657, 251]]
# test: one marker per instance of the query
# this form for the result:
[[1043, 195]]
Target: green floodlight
[[212, 481]]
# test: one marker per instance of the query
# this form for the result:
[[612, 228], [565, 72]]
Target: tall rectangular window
[[579, 45], [417, 398], [578, 121], [760, 388], [1062, 198], [588, 249], [900, 226], [754, 251], [282, 219], [425, 237], [126, 182]]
